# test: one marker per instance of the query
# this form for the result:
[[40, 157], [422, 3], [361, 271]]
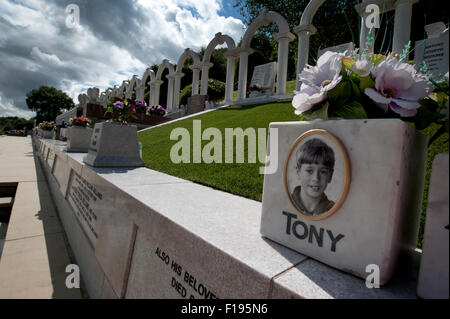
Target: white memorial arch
[[156, 84], [283, 37], [140, 90], [132, 87], [230, 54], [402, 29], [196, 67]]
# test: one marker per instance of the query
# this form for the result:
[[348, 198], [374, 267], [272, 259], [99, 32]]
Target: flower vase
[[78, 139], [46, 134], [114, 145]]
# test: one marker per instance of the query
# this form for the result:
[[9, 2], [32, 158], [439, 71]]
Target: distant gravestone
[[264, 75], [433, 275], [195, 104], [341, 48], [433, 51]]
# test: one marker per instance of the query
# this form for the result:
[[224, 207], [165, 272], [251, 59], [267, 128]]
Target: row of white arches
[[304, 30]]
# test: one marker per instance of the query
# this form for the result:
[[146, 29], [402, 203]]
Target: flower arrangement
[[80, 121], [140, 106], [46, 126], [371, 86], [156, 110], [122, 110], [255, 87]]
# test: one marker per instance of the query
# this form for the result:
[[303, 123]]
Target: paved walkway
[[35, 253]]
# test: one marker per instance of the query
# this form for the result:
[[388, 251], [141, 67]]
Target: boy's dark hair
[[315, 151]]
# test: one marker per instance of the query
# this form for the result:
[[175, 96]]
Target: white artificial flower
[[398, 86], [317, 81], [362, 68]]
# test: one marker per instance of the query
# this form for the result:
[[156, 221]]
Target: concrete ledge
[[170, 238]]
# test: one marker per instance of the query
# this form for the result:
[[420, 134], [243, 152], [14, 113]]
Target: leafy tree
[[337, 22], [13, 122], [332, 20], [219, 69], [48, 103]]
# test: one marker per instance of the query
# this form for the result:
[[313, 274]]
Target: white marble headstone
[[379, 215], [341, 48], [264, 75], [433, 275], [434, 52]]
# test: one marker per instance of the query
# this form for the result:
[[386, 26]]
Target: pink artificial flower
[[398, 87], [118, 104], [317, 81]]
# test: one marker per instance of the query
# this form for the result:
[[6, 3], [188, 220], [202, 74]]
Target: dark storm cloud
[[116, 38]]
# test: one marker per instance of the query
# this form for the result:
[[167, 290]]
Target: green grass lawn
[[241, 179]]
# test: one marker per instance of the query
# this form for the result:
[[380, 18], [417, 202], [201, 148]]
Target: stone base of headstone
[[78, 139], [63, 133], [150, 120], [433, 275], [175, 114], [254, 94], [114, 145], [256, 100]]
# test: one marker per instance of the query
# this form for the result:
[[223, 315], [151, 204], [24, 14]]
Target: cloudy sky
[[39, 44]]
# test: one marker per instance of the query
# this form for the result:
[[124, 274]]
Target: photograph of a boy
[[315, 167]]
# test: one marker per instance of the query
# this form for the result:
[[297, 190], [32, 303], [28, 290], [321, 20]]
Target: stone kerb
[[434, 268], [130, 244]]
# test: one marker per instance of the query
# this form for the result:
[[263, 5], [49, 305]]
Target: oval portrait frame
[[347, 175]]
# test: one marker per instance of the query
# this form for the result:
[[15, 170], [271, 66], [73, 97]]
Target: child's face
[[314, 179]]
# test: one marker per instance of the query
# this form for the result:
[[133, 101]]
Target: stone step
[[6, 201]]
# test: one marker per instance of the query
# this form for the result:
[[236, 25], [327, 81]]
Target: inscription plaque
[[81, 196]]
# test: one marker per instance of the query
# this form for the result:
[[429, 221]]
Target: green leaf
[[340, 94], [348, 62], [319, 111], [353, 110], [355, 78], [356, 92], [109, 110], [366, 82], [442, 130], [427, 114], [377, 58]]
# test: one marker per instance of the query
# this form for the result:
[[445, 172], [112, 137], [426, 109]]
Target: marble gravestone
[[433, 274], [341, 48], [433, 50], [114, 145], [264, 75], [369, 210]]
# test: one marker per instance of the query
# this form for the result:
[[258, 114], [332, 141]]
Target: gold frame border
[[347, 169]]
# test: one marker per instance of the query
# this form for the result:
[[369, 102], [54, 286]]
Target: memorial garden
[[299, 177]]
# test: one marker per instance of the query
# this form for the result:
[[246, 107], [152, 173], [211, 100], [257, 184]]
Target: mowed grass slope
[[237, 178]]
